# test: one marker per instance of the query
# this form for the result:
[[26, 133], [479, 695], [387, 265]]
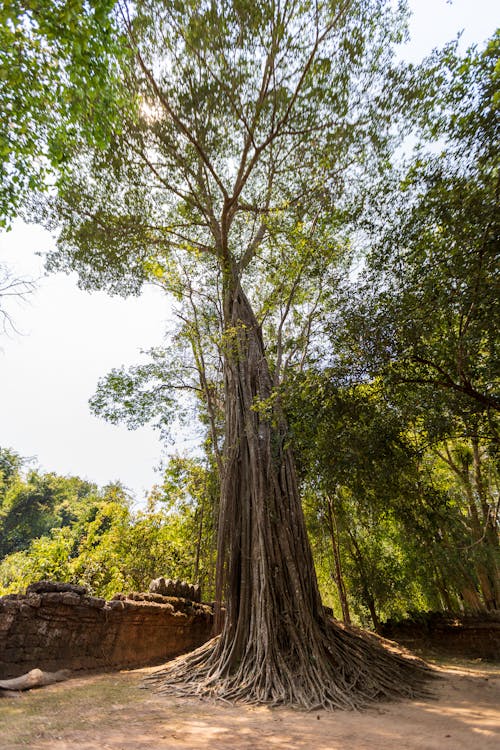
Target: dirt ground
[[111, 712]]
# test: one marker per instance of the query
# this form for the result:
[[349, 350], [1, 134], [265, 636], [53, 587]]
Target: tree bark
[[266, 572]]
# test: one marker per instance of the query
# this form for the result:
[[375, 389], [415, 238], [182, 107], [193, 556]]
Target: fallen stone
[[48, 587]]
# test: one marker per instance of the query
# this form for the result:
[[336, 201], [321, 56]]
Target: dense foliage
[[57, 63], [421, 325], [67, 529]]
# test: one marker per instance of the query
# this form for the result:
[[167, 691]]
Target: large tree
[[249, 125], [424, 316], [425, 312]]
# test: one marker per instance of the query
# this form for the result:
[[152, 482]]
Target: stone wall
[[67, 630], [468, 637]]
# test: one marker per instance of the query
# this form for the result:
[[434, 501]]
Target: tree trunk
[[483, 532], [444, 594], [472, 600], [277, 646], [266, 573], [364, 575], [199, 539], [370, 602], [339, 578], [489, 535]]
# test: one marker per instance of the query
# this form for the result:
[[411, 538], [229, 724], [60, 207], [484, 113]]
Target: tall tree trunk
[[276, 645], [265, 561], [364, 576], [471, 599], [339, 578], [478, 536], [490, 532], [483, 533], [442, 587], [199, 539]]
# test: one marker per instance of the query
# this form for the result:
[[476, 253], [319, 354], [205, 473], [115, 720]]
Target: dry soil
[[112, 712]]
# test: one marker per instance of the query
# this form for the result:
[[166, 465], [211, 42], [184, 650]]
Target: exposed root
[[343, 670]]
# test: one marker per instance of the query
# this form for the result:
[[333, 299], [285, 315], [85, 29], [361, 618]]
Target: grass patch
[[47, 713]]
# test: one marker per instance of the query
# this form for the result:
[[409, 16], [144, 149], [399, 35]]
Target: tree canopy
[[57, 87], [428, 303]]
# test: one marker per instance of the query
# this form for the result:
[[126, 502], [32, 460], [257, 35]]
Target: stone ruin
[[178, 588], [56, 626], [54, 587], [165, 587]]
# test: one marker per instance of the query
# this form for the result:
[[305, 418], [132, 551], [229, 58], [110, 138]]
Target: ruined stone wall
[[468, 637], [67, 630]]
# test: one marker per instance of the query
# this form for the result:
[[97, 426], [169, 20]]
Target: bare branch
[[12, 287]]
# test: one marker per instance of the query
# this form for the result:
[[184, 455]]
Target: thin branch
[[244, 174], [449, 383], [12, 287], [176, 119]]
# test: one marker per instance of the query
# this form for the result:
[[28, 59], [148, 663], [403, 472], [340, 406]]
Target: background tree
[[390, 523], [252, 118], [33, 504], [66, 529], [423, 319]]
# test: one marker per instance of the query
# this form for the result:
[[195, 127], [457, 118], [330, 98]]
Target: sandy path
[[111, 712]]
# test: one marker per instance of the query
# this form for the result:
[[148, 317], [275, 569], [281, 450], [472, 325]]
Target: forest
[[324, 218]]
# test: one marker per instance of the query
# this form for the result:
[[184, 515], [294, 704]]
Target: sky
[[67, 339]]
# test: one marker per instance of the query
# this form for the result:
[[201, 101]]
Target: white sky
[[70, 338]]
